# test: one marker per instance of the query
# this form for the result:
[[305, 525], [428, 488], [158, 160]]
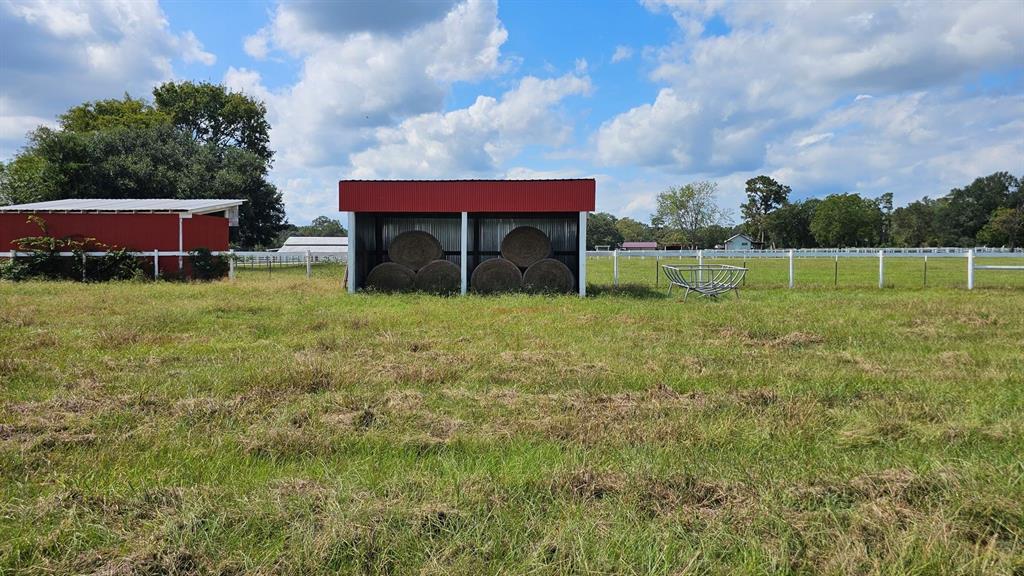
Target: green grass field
[[276, 425]]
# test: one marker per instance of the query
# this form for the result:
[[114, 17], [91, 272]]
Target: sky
[[912, 98]]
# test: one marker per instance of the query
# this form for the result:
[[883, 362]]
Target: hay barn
[[166, 225], [455, 236]]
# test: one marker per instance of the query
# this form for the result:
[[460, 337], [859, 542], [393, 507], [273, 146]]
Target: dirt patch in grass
[[771, 339], [652, 495]]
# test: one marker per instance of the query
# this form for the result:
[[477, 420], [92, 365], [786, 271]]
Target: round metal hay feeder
[[525, 245], [548, 275], [439, 277], [496, 275], [415, 249], [391, 277]]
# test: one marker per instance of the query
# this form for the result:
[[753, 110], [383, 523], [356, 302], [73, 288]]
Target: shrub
[[206, 266]]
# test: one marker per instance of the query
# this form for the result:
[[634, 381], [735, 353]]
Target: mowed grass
[[275, 425]]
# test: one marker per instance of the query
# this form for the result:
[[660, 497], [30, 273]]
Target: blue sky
[[830, 97]]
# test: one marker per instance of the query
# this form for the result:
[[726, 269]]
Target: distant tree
[[764, 195], [884, 203], [687, 209], [1005, 228], [601, 231], [913, 225], [634, 231], [844, 220], [789, 226], [213, 115], [964, 211], [22, 180], [711, 236]]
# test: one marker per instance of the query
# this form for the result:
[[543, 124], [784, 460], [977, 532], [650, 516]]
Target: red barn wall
[[205, 232]]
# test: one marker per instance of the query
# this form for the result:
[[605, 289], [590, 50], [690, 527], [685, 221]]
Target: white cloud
[[621, 54], [58, 54], [825, 93], [472, 141], [257, 45]]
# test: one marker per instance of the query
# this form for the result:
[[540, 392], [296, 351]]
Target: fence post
[[83, 266], [970, 269], [657, 270], [925, 269], [835, 275], [791, 268], [881, 268], [156, 264], [615, 267], [231, 264], [700, 262], [309, 265]]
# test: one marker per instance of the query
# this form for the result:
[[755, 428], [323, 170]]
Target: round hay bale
[[496, 275], [390, 277], [548, 275], [525, 245], [415, 249], [439, 277]]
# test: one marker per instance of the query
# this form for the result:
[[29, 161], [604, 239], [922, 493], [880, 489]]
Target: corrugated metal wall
[[493, 196], [375, 231]]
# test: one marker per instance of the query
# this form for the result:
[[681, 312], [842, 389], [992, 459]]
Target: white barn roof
[[127, 205], [322, 244]]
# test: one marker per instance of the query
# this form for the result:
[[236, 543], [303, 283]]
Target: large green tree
[[128, 148], [789, 226], [913, 225], [601, 231], [963, 212], [683, 210], [764, 195], [213, 115], [846, 220], [634, 230]]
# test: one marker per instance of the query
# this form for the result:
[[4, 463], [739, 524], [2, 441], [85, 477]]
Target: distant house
[[316, 244], [741, 242], [639, 246]]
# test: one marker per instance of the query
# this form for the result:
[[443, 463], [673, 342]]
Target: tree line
[[193, 140], [987, 212]]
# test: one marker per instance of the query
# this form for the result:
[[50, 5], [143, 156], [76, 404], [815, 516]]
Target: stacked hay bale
[[524, 248], [416, 264]]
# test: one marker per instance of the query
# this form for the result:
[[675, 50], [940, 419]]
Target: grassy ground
[[276, 425]]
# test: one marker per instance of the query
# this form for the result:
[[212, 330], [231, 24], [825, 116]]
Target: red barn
[[469, 218], [138, 225]]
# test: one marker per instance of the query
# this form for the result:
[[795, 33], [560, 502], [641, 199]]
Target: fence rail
[[832, 254], [235, 258]]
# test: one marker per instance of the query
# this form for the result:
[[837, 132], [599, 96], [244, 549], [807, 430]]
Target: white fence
[[235, 259], [833, 253]]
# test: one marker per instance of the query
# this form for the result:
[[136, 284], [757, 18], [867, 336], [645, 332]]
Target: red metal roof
[[577, 195]]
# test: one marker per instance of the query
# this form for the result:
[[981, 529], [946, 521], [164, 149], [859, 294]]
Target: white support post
[[583, 254], [700, 262], [353, 245], [83, 266], [970, 269], [615, 267], [464, 254], [231, 264], [881, 268], [156, 264], [181, 243], [791, 283], [309, 265]]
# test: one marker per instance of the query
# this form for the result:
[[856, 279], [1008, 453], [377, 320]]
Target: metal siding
[[467, 195], [138, 232], [210, 232]]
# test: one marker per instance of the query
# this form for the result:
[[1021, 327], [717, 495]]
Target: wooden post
[[835, 275], [925, 269], [83, 266], [231, 264], [657, 271], [156, 264]]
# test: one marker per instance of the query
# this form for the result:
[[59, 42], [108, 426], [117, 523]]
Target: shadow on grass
[[638, 291]]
